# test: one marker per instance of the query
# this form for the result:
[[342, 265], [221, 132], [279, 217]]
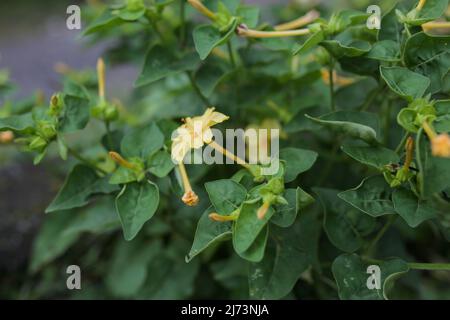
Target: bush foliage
[[364, 174]]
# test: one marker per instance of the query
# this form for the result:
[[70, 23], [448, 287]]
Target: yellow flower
[[195, 132], [440, 145]]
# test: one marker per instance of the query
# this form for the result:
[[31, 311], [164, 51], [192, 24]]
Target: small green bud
[[256, 171], [276, 185], [46, 130], [38, 144], [99, 110], [111, 113], [56, 104]]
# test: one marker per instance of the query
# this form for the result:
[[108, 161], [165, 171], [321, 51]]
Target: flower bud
[[111, 113], [219, 218], [38, 144]]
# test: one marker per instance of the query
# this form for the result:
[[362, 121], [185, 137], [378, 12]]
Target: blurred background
[[34, 44]]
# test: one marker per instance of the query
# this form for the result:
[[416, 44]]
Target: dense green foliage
[[365, 156]]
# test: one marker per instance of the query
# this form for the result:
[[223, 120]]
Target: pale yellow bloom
[[440, 145], [194, 133]]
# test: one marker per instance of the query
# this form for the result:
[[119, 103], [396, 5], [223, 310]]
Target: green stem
[[182, 22], [198, 91], [416, 265], [401, 145], [429, 266], [108, 135], [330, 73], [330, 164], [85, 161], [380, 234], [371, 98], [230, 52], [155, 28], [386, 109]]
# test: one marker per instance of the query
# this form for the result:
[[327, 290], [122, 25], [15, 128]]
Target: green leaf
[[349, 49], [208, 77], [352, 277], [297, 199], [52, 241], [432, 10], [248, 227], [160, 164], [226, 195], [310, 43], [294, 250], [122, 176], [81, 184], [17, 122], [249, 15], [386, 50], [442, 123], [161, 62], [372, 196], [359, 125], [434, 174], [255, 253], [169, 276], [136, 204], [98, 218], [343, 19], [340, 229], [142, 142], [297, 162], [129, 267], [76, 114], [208, 232], [413, 210], [207, 37], [429, 56], [407, 84], [376, 157], [105, 21]]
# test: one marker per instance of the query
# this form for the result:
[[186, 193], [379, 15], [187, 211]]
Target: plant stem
[[231, 54], [184, 177], [108, 135], [182, 22], [197, 90], [299, 22], [249, 33], [85, 161], [371, 98], [402, 143], [229, 155], [416, 265], [380, 234], [429, 130], [429, 266], [155, 28], [331, 75], [200, 7]]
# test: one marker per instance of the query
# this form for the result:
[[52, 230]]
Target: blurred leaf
[[80, 185], [136, 204]]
